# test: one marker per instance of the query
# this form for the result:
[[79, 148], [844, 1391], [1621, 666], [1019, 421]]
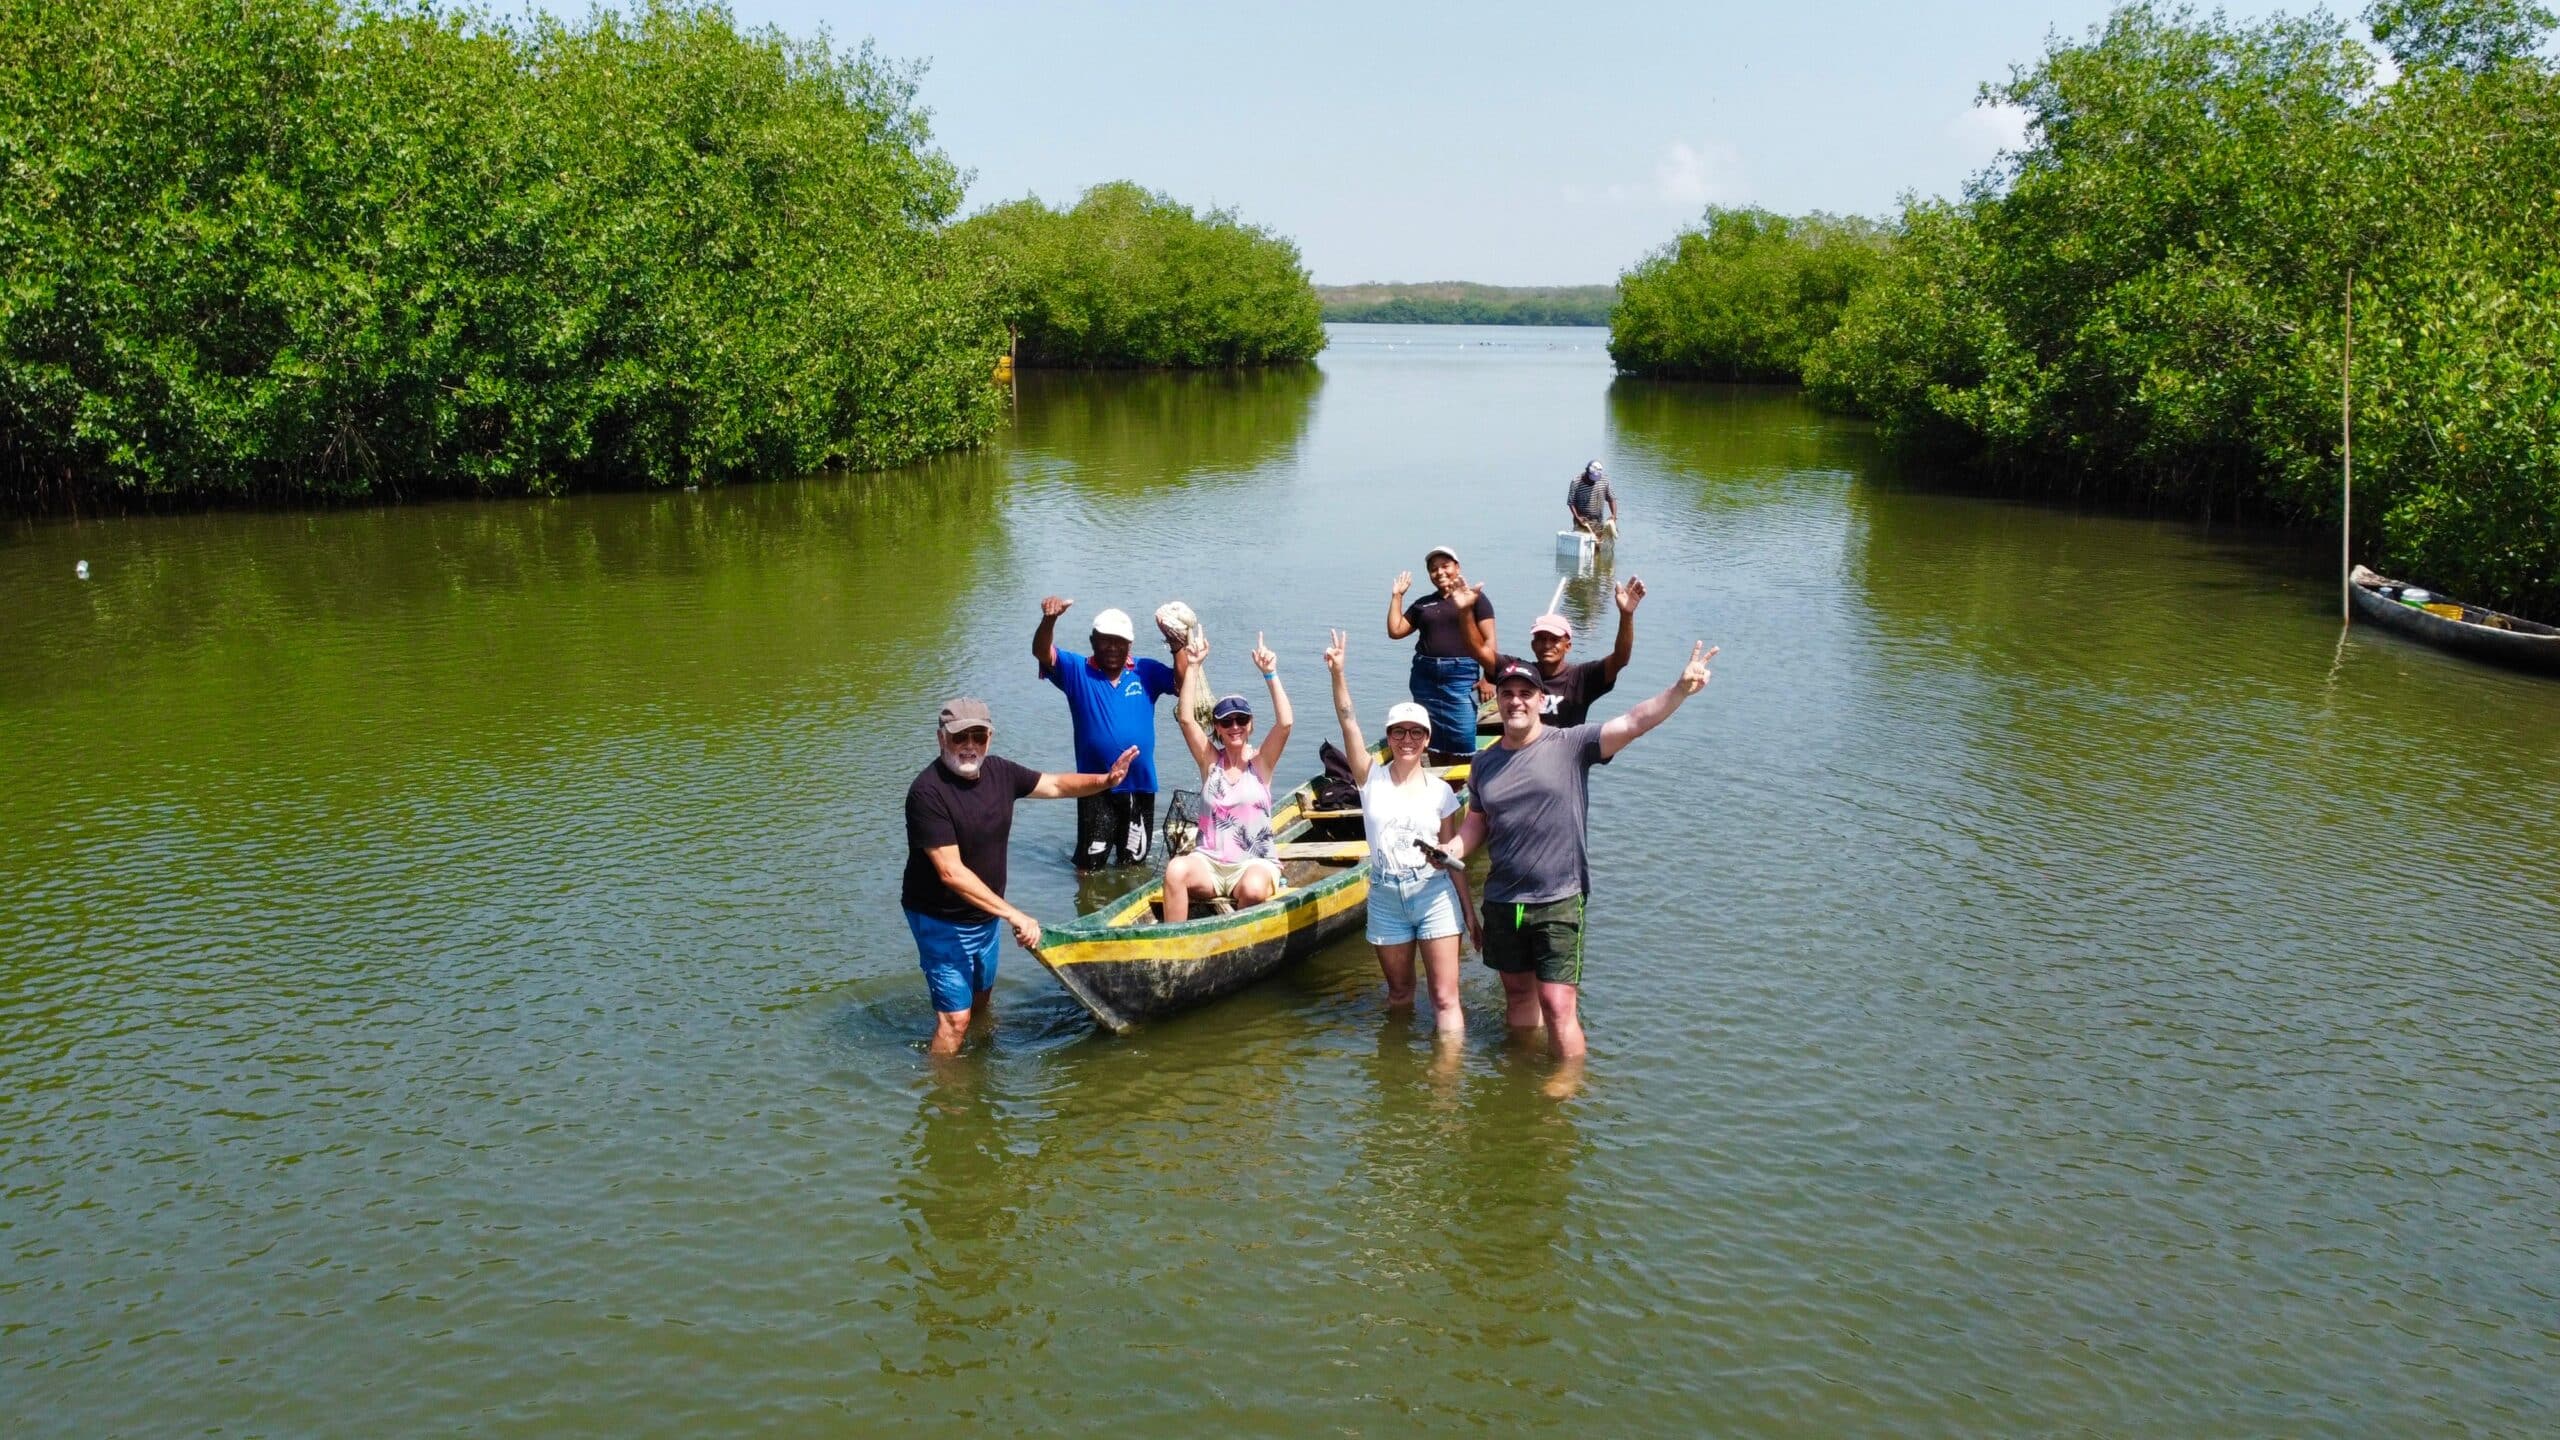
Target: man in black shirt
[[1570, 687], [959, 823]]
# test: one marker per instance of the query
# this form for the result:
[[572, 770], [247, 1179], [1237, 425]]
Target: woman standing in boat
[[1237, 859], [1445, 671], [1413, 904]]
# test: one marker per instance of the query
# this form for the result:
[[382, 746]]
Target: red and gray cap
[[965, 714]]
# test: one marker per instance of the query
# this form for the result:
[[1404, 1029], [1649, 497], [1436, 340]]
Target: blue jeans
[[959, 960], [1445, 685]]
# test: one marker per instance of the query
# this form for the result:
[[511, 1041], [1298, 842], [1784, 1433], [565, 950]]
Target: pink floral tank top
[[1235, 823]]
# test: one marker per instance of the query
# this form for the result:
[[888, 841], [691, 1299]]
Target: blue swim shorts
[[959, 960], [1404, 907]]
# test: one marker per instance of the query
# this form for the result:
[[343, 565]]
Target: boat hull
[[1127, 974], [1126, 967], [2520, 645]]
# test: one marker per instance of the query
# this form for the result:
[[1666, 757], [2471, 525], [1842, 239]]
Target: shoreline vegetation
[[1127, 278], [293, 250], [1459, 302], [2147, 300], [312, 251]]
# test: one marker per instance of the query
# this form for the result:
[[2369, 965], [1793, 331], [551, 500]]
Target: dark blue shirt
[[1112, 715]]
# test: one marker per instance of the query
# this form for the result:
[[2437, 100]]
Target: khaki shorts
[[1225, 874]]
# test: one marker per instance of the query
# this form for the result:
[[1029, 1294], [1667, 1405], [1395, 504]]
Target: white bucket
[[1575, 545]]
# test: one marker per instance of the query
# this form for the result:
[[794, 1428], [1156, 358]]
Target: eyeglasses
[[1407, 732], [971, 737], [1236, 722]]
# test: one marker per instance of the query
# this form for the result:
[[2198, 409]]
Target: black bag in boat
[[1334, 790]]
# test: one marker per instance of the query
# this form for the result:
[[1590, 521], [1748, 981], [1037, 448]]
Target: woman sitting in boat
[[1445, 671], [1413, 904], [1237, 860]]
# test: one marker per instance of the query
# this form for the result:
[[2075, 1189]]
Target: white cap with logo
[[1115, 623], [1405, 712]]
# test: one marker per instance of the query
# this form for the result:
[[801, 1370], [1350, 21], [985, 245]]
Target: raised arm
[[1399, 627], [1044, 641], [1618, 734], [1266, 757], [1479, 636], [1353, 747], [1076, 787], [1186, 716], [1630, 595]]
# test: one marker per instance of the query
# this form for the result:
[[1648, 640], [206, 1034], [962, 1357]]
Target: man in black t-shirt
[[1570, 687], [959, 823]]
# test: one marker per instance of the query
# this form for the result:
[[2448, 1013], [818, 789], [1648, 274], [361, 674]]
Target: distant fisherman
[[1445, 671], [1532, 811], [1585, 496], [1570, 687], [959, 827], [1112, 703]]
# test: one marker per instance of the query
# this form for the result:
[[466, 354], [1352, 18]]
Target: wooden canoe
[[1126, 966], [2482, 634]]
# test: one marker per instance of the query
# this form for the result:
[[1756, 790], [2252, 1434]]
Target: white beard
[[965, 769]]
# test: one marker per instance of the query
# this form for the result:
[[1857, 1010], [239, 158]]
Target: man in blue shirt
[[1112, 702]]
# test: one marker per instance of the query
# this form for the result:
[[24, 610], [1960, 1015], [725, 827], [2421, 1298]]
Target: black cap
[[1526, 674]]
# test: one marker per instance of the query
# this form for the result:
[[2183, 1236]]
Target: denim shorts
[[1405, 906], [958, 960]]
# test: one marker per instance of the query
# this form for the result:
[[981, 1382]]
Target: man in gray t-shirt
[[1530, 812]]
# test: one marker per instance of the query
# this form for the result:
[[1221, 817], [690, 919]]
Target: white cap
[[1405, 712], [1435, 552], [1115, 623]]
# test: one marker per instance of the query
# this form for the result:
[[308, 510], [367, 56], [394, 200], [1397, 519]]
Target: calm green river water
[[451, 978]]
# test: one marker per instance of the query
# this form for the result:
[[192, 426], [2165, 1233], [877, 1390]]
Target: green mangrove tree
[[1126, 277], [280, 249]]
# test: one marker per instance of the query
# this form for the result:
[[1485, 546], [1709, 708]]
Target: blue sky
[[1511, 144]]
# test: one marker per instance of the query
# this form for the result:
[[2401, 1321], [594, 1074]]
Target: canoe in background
[[2470, 630]]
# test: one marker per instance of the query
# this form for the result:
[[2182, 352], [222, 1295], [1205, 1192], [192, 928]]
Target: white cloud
[[1690, 177], [1981, 132], [1686, 178]]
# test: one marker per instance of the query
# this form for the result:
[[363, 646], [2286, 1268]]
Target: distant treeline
[[1126, 277], [296, 248], [2147, 300], [1456, 302]]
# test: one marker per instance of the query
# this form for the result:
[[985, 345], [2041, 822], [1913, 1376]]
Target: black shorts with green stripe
[[1546, 939]]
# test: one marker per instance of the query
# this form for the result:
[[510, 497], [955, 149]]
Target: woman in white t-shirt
[[1414, 905]]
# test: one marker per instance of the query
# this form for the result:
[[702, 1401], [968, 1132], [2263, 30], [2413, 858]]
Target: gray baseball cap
[[964, 714]]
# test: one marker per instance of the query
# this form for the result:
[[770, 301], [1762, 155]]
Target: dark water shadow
[[1129, 434]]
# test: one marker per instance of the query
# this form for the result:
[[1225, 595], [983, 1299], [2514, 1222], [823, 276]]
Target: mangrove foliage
[[2148, 299], [1127, 277], [284, 249], [1741, 297]]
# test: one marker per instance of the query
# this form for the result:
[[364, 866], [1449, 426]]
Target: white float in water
[[81, 570]]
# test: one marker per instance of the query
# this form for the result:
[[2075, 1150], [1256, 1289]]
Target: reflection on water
[[1150, 429], [451, 973]]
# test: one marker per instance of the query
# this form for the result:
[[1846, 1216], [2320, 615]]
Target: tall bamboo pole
[[2347, 459]]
